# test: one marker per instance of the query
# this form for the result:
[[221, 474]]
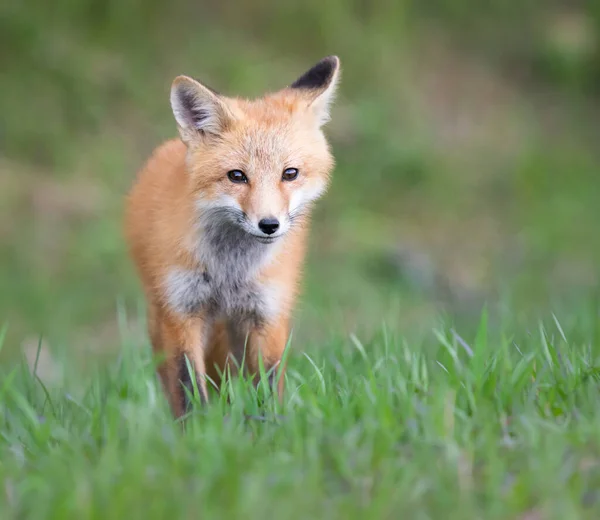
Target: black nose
[[269, 225]]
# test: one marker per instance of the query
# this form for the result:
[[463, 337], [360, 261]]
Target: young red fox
[[217, 226]]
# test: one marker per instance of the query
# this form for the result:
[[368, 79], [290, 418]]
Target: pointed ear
[[197, 109], [319, 84]]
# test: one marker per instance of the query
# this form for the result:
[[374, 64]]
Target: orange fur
[[174, 230]]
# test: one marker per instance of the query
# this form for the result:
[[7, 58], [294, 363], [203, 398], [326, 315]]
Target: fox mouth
[[265, 239]]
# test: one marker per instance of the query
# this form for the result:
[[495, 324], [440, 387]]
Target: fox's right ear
[[197, 109]]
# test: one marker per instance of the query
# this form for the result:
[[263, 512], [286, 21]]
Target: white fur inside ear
[[196, 109], [321, 105]]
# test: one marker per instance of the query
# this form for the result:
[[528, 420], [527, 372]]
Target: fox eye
[[237, 176], [290, 174]]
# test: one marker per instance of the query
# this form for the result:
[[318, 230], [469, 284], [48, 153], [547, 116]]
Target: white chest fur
[[189, 292]]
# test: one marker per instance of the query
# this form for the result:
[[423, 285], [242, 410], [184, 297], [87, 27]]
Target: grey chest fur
[[226, 284]]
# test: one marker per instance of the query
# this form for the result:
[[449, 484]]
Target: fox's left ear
[[319, 85]]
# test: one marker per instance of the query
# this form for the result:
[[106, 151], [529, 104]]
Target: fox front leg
[[184, 367], [269, 341]]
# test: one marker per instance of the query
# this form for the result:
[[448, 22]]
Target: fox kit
[[217, 225]]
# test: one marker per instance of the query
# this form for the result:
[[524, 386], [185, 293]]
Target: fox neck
[[228, 253]]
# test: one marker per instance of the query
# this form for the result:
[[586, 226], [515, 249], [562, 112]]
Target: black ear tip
[[332, 61], [319, 75]]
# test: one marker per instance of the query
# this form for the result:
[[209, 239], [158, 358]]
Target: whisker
[[298, 214], [232, 214]]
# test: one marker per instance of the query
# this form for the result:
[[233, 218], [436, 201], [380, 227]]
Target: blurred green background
[[466, 135]]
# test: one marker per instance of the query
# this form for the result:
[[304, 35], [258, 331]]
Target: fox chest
[[190, 292]]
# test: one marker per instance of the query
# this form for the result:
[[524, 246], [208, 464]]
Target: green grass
[[500, 425]]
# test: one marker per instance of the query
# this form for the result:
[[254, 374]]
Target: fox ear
[[197, 109], [319, 84]]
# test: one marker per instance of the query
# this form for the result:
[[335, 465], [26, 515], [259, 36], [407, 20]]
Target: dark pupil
[[290, 174], [236, 176]]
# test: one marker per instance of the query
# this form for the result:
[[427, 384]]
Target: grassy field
[[466, 140], [493, 426]]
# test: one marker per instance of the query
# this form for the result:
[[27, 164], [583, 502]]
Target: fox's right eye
[[237, 176]]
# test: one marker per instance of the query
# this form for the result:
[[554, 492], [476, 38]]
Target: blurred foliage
[[465, 134]]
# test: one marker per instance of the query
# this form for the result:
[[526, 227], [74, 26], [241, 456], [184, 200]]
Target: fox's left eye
[[290, 174]]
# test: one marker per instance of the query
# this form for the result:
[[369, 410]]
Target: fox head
[[258, 164]]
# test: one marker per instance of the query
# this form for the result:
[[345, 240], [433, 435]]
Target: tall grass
[[481, 427]]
